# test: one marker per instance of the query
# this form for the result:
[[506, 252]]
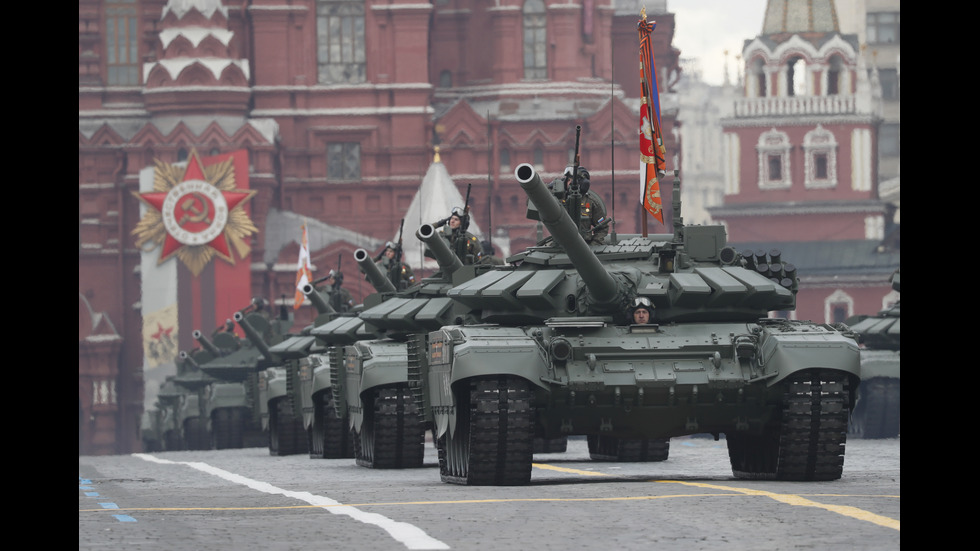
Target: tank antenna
[[612, 143]]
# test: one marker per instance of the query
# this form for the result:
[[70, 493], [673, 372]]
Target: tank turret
[[606, 292], [380, 282], [253, 333], [447, 259]]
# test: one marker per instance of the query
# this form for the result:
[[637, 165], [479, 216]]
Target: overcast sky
[[706, 28]]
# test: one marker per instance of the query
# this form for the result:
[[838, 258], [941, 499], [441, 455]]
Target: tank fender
[[227, 395], [479, 352], [784, 353], [277, 385]]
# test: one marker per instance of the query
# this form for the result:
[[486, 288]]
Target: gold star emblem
[[194, 212]]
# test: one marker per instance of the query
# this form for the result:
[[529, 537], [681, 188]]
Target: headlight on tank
[[561, 349]]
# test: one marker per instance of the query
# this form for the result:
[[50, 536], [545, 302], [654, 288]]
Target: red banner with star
[[197, 214]]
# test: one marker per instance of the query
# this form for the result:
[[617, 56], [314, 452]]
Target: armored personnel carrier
[[877, 412], [556, 355]]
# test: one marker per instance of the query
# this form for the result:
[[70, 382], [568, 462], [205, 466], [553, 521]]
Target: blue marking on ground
[[124, 518], [109, 505], [92, 494]]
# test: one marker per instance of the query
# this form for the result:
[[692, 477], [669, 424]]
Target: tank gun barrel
[[254, 336], [605, 290], [380, 282], [320, 303], [447, 259], [206, 343], [188, 359]]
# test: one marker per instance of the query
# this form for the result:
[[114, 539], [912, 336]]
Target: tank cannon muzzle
[[206, 343], [254, 336], [320, 303], [447, 259], [188, 359], [605, 291], [374, 274]]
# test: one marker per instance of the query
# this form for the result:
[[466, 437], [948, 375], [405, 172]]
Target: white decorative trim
[[815, 142], [774, 142], [874, 227], [837, 297]]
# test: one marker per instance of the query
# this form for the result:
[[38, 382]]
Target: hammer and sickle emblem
[[195, 209]]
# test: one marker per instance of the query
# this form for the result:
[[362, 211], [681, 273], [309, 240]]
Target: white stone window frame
[[774, 142], [819, 141], [838, 297]]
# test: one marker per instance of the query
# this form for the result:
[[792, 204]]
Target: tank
[[231, 402], [877, 412], [192, 418], [286, 435], [385, 393], [554, 354], [310, 385]]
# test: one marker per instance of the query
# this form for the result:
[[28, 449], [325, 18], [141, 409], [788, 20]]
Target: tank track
[[808, 441], [329, 435], [287, 435], [493, 441], [877, 413], [393, 431], [227, 428], [609, 448], [196, 434]]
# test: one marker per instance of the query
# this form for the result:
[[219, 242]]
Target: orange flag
[[652, 152], [303, 273]]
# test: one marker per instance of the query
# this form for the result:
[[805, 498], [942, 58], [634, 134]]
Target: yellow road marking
[[789, 499]]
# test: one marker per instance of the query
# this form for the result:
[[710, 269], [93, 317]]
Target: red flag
[[303, 273], [652, 152]]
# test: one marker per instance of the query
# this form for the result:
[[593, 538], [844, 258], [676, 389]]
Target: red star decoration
[[195, 172], [161, 331]]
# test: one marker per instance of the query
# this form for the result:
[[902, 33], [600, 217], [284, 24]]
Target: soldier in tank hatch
[[463, 243], [592, 210], [340, 298], [641, 311], [399, 273]]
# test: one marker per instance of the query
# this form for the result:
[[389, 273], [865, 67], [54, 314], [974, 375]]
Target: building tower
[[801, 167]]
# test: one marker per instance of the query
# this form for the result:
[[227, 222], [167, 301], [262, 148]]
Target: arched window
[[796, 77], [773, 149], [505, 160], [756, 81], [445, 79], [819, 159], [838, 307], [535, 40]]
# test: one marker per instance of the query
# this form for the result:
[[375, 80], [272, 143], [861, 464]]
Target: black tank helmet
[[583, 178]]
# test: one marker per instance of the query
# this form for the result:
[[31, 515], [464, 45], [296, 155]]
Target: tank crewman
[[399, 273], [340, 298], [488, 255], [463, 243], [592, 208], [641, 311]]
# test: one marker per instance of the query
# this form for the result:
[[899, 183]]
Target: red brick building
[[336, 106], [801, 170]]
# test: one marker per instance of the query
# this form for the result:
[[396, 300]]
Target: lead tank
[[555, 355], [877, 412]]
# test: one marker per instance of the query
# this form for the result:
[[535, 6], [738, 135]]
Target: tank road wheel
[[392, 432], [336, 439], [550, 445], [877, 413], [227, 428], [609, 448], [807, 442], [196, 434], [493, 440]]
